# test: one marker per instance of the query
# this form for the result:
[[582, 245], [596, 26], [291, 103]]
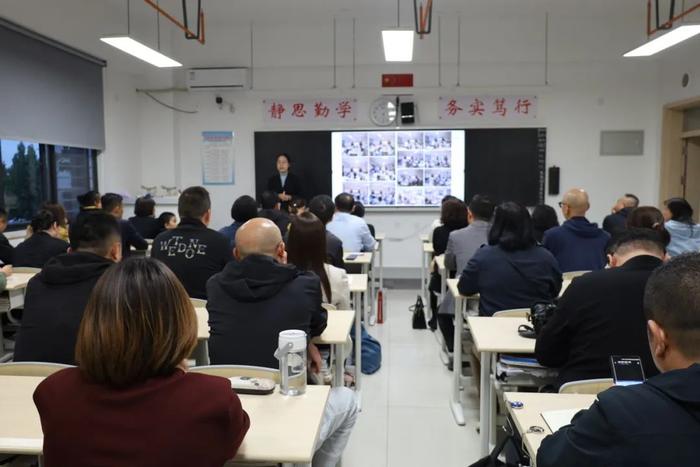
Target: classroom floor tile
[[406, 420]]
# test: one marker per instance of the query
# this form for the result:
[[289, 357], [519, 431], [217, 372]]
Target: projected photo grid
[[404, 168]]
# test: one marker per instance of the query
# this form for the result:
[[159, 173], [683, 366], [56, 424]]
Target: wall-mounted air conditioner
[[210, 79]]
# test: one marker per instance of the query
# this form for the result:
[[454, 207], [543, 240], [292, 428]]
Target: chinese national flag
[[397, 80]]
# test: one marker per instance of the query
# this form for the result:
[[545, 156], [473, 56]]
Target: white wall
[[590, 88]]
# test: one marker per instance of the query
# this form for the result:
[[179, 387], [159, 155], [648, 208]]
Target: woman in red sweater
[[131, 401]]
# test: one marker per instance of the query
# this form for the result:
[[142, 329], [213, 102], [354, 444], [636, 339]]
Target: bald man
[[616, 222], [255, 298], [578, 244]]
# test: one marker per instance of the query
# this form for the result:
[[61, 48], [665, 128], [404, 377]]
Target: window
[[32, 173]]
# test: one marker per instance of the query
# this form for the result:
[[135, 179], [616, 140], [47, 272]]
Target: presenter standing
[[285, 184]]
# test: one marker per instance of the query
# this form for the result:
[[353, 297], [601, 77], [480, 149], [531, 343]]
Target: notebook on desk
[[556, 419]]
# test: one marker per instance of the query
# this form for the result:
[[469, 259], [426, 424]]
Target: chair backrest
[[228, 371], [198, 302], [328, 306], [567, 276], [586, 386], [514, 313], [31, 368], [26, 270]]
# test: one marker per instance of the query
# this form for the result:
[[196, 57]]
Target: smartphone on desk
[[351, 257], [627, 370]]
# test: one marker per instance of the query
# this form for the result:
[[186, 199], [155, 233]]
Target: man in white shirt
[[351, 230]]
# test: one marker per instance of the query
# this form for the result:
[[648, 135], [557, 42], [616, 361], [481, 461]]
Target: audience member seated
[[359, 210], [5, 272], [89, 201], [59, 213], [453, 216], [306, 249], [648, 217], [144, 220], [43, 245], [512, 271], [297, 206], [243, 209], [255, 298], [131, 400], [56, 297], [544, 217], [167, 221], [461, 246], [7, 252], [685, 233], [351, 230], [271, 209], [437, 222], [616, 222], [112, 203], [601, 313], [578, 245], [322, 207], [193, 251], [656, 423]]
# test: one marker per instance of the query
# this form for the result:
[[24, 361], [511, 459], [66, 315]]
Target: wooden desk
[[492, 336], [365, 259], [358, 288], [19, 280], [282, 428], [16, 288], [531, 413], [336, 335], [424, 237]]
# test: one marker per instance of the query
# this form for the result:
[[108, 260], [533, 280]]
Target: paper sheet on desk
[[556, 419]]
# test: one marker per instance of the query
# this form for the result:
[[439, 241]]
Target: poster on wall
[[492, 108], [217, 158]]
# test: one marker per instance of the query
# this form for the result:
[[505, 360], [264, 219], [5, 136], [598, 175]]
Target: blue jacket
[[578, 245], [684, 237], [230, 232], [510, 279], [652, 424]]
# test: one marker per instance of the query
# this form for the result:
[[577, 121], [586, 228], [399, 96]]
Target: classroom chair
[[567, 276], [586, 386], [514, 313], [228, 371], [328, 306], [31, 368], [198, 302]]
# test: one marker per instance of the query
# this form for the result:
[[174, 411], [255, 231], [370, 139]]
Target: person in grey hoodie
[[578, 245], [685, 234]]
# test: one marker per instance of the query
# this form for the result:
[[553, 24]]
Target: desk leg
[[493, 403], [423, 267], [456, 402], [358, 349], [370, 275], [201, 353], [381, 265], [339, 367], [485, 403]]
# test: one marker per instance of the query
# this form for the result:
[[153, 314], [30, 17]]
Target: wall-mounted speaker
[[407, 111], [553, 178]]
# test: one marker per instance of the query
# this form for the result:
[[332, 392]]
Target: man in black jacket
[[656, 423], [112, 203], [616, 222], [193, 251], [271, 210], [56, 297], [601, 313], [323, 207], [257, 296], [6, 250]]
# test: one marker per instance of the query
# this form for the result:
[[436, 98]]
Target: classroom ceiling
[[80, 23]]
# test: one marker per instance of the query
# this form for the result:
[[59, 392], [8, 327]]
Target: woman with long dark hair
[[685, 233], [131, 383], [544, 217], [306, 249], [512, 271]]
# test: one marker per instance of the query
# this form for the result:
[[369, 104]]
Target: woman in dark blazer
[[284, 183], [131, 400], [144, 220], [44, 243], [512, 271]]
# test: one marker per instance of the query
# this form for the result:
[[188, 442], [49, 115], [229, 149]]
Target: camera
[[219, 100]]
